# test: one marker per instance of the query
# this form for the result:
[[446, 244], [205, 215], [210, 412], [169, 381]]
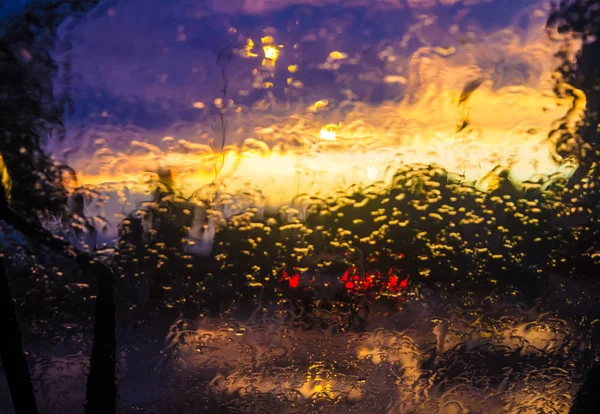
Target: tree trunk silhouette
[[31, 110], [12, 354], [102, 394]]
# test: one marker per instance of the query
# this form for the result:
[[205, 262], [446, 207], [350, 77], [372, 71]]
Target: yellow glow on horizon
[[372, 171], [509, 128], [329, 131]]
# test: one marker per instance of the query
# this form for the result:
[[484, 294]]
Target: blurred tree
[[583, 18], [31, 185], [28, 112]]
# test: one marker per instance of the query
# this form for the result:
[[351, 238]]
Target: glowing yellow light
[[248, 49], [443, 51], [395, 79], [271, 52], [199, 105], [268, 85], [329, 132], [372, 171], [267, 40], [335, 55], [315, 384], [293, 68], [5, 179], [320, 104]]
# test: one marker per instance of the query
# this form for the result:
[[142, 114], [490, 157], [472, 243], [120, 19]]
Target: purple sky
[[138, 65]]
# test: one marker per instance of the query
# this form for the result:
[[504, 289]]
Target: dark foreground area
[[493, 307]]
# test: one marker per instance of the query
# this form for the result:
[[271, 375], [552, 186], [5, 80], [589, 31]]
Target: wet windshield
[[297, 206]]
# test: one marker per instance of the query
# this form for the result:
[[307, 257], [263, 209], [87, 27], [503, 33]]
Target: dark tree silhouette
[[28, 112], [583, 17], [32, 183], [12, 354]]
